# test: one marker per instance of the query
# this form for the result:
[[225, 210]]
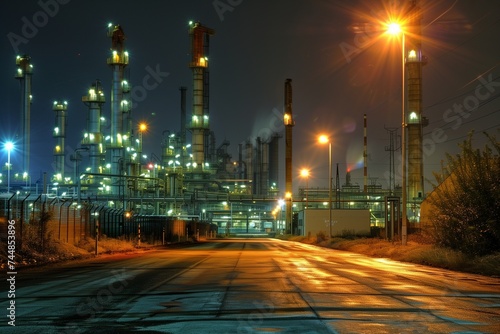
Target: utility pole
[[391, 149]]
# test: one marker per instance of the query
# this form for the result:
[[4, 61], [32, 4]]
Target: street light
[[394, 28], [142, 128], [323, 139], [305, 174], [9, 146]]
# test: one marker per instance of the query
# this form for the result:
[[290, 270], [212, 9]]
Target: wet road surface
[[251, 286]]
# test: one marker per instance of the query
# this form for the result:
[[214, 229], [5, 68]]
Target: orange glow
[[394, 28], [304, 172], [143, 127], [323, 139]]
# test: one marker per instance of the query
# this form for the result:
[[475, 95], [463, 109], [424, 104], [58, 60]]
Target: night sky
[[257, 45]]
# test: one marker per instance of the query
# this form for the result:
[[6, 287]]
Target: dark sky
[[257, 45]]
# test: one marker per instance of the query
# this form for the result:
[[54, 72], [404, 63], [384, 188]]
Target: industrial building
[[194, 176]]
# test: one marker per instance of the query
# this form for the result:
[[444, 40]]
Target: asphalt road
[[250, 286]]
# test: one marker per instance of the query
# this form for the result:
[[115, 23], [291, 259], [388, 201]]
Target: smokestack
[[414, 119], [365, 158], [24, 73], [60, 109], [199, 64], [289, 123]]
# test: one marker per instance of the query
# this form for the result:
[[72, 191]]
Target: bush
[[466, 215]]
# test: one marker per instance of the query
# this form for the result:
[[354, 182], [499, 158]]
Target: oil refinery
[[195, 177]]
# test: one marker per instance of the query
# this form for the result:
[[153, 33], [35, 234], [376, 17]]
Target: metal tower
[[93, 139], [59, 134], [414, 61], [24, 73], [199, 124], [120, 107]]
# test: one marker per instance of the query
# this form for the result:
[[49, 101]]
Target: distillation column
[[289, 123], [59, 134], [24, 73], [93, 139], [120, 108], [199, 124], [414, 120], [183, 126]]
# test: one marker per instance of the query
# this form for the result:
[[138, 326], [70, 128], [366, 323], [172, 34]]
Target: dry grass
[[419, 249], [55, 250]]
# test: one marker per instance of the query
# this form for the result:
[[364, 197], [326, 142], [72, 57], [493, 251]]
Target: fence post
[[139, 234], [96, 236]]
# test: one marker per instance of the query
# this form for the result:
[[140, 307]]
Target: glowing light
[[412, 55], [394, 28], [304, 172], [9, 146], [323, 139]]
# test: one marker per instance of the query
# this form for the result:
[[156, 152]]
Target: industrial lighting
[[9, 146], [395, 29], [323, 139], [305, 174]]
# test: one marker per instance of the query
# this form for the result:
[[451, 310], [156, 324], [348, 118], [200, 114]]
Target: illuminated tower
[[289, 123], [93, 139], [199, 124], [414, 119], [24, 73], [120, 106], [59, 134]]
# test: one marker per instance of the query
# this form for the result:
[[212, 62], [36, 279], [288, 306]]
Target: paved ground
[[251, 286]]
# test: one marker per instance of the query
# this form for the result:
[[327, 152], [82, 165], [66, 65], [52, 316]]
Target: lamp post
[[323, 139], [142, 128], [395, 29], [305, 174], [9, 146]]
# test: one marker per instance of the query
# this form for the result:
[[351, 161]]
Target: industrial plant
[[195, 178]]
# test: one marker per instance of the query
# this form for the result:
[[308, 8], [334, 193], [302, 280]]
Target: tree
[[466, 201]]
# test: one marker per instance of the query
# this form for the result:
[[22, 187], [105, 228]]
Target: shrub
[[466, 203]]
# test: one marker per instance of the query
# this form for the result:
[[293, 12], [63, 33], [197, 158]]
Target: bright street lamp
[[323, 139], [143, 127], [305, 174], [9, 146], [395, 29]]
